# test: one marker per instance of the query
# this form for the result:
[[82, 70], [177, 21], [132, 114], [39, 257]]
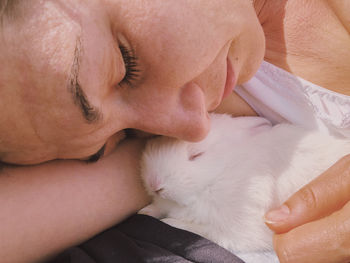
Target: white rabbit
[[221, 187]]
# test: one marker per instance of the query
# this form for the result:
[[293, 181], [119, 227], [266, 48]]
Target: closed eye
[[97, 156], [195, 156], [131, 66]]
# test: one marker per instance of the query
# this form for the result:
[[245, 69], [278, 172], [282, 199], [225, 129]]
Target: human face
[[63, 91]]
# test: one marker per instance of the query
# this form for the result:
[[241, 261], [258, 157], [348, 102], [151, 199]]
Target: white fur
[[222, 186]]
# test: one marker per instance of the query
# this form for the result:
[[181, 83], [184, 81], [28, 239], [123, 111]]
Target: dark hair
[[7, 8], [3, 7]]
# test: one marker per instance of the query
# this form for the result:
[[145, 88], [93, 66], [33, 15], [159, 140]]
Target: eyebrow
[[90, 113]]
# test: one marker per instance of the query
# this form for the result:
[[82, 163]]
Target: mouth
[[230, 84], [230, 80]]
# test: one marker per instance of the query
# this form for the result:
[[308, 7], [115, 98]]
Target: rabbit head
[[178, 170]]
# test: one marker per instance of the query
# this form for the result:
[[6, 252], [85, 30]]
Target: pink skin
[[230, 80], [182, 49]]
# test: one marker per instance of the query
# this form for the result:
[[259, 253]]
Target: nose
[[193, 117], [183, 116], [192, 130], [188, 127]]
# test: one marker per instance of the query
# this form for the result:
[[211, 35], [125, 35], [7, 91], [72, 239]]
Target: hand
[[317, 218]]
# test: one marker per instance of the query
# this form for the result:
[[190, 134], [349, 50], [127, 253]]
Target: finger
[[324, 195], [322, 241]]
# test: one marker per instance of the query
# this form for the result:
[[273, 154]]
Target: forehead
[[45, 52], [39, 63], [48, 50]]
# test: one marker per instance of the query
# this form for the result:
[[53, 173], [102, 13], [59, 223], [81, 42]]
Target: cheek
[[81, 140], [248, 53], [28, 157], [113, 142], [177, 45]]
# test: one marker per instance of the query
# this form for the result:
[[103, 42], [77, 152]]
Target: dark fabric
[[145, 239]]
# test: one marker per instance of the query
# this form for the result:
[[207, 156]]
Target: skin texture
[[182, 71], [183, 68], [47, 208], [316, 229], [182, 76]]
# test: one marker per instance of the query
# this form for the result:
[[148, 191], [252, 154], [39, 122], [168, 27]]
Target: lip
[[230, 80]]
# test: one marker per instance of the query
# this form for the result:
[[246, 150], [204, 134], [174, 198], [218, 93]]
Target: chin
[[251, 60], [249, 70]]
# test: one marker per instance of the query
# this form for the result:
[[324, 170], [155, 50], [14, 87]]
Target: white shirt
[[282, 97]]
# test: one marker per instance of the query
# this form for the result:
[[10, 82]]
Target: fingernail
[[277, 215]]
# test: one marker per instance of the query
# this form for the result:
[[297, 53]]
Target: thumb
[[327, 193]]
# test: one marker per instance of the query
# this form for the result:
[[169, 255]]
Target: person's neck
[[297, 41], [271, 15], [259, 6]]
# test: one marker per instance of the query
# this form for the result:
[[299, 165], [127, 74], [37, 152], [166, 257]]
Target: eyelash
[[131, 67]]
